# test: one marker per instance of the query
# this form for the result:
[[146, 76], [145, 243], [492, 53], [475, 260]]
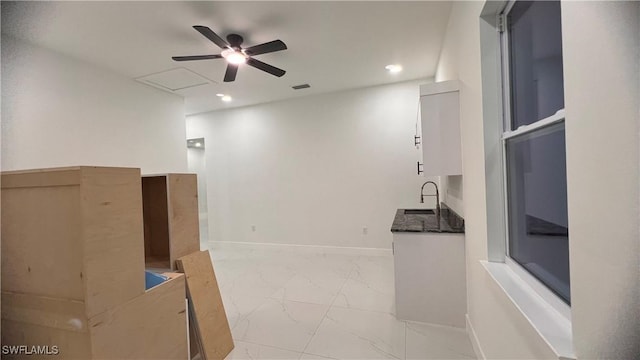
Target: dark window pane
[[537, 193], [535, 60]]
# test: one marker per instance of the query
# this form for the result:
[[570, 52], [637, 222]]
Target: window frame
[[556, 302]]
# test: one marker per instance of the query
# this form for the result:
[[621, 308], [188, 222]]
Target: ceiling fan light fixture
[[234, 56], [394, 68]]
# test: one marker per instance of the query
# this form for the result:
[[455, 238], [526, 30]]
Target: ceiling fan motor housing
[[235, 40]]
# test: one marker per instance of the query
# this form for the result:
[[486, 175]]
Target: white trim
[[503, 39], [301, 249], [523, 129], [541, 289], [474, 339], [505, 196], [552, 327], [508, 6]]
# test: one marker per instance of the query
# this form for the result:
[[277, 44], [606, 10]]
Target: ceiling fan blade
[[196, 57], [265, 67], [209, 34], [230, 74], [271, 46]]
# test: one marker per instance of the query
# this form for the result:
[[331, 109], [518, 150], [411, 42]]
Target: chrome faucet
[[437, 195]]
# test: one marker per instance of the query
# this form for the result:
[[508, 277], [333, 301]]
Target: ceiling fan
[[236, 55]]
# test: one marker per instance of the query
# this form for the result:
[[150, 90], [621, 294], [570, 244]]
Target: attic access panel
[[175, 79]]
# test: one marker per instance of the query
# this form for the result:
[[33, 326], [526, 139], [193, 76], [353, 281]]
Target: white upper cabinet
[[440, 113]]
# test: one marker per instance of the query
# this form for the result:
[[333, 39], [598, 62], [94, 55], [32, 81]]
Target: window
[[534, 142]]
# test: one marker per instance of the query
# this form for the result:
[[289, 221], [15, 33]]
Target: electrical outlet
[[253, 228], [365, 230]]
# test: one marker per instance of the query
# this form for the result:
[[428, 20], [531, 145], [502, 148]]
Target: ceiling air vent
[[301, 86]]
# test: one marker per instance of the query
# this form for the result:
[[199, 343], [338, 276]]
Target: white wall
[[313, 170], [601, 56], [602, 96], [59, 111], [501, 331]]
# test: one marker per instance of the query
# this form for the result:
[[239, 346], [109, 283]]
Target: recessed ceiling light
[[394, 68], [219, 95], [226, 98], [198, 144]]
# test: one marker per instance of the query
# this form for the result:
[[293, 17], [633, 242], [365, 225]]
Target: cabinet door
[[441, 134]]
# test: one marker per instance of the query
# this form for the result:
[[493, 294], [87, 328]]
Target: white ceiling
[[331, 45]]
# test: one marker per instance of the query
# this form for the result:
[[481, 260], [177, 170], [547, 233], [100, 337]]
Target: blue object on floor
[[152, 279]]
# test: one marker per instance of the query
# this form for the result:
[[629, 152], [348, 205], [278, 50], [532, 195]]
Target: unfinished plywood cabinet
[[170, 203], [149, 326], [73, 267], [73, 233]]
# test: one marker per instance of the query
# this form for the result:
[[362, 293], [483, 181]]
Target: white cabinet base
[[430, 278]]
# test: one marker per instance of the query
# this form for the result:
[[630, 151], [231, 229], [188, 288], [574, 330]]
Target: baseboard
[[474, 339], [302, 249]]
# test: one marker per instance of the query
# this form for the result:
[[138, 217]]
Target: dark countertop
[[448, 222]]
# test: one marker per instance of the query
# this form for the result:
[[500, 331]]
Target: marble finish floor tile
[[314, 306], [375, 270], [259, 280], [335, 265], [357, 334], [245, 351], [370, 286], [360, 295], [311, 288], [238, 308], [283, 324], [426, 341], [313, 357]]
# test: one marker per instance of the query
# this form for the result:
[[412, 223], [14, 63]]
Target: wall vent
[[301, 86]]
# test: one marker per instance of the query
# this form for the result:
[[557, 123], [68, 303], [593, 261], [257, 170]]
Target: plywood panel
[[151, 326], [113, 237], [71, 344], [61, 314], [183, 215], [41, 178], [42, 241], [156, 217], [211, 321]]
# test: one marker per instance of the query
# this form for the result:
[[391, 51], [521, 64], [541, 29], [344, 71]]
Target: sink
[[419, 212]]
